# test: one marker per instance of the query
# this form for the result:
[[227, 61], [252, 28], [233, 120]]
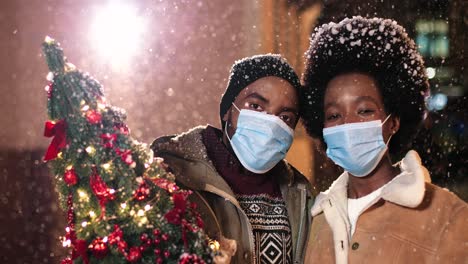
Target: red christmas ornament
[[99, 248], [167, 253], [93, 116], [66, 261], [134, 254], [115, 236], [142, 192], [70, 177], [142, 247], [122, 246], [185, 258], [123, 128], [157, 241], [156, 232], [108, 140], [144, 237], [149, 242], [190, 259], [126, 155]]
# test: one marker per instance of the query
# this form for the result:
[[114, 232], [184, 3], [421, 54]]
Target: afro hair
[[378, 47]]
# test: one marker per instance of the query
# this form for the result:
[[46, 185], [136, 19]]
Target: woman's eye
[[365, 111], [332, 117]]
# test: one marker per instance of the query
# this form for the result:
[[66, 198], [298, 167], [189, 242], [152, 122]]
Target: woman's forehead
[[352, 85]]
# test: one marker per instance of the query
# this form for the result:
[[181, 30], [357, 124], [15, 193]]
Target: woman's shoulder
[[442, 201]]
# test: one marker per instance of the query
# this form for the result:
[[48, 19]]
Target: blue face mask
[[356, 147], [261, 140]]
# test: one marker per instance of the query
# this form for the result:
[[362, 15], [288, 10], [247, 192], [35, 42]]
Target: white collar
[[407, 189]]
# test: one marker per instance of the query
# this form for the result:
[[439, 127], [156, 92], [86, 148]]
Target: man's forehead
[[263, 84]]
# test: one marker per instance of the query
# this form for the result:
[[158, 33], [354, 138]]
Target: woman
[[365, 86]]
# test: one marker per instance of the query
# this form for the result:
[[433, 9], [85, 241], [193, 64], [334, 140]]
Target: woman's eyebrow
[[329, 104], [367, 98]]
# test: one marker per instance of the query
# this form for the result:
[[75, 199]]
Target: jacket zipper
[[245, 216], [298, 255], [246, 219]]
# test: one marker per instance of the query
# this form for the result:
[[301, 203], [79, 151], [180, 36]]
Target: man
[[242, 185]]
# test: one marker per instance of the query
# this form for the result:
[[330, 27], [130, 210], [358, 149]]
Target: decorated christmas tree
[[122, 204]]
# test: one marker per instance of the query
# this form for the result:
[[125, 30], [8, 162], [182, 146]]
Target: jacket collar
[[407, 189]]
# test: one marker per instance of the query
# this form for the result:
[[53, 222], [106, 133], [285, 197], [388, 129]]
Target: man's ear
[[226, 115]]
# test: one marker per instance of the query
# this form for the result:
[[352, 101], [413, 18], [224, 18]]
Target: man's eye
[[289, 119], [255, 107], [285, 118]]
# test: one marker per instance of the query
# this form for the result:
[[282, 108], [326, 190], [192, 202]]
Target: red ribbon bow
[[101, 190], [177, 215], [58, 131], [80, 250]]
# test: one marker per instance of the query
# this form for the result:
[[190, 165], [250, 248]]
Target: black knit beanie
[[250, 69]]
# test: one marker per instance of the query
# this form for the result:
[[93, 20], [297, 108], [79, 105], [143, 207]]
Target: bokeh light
[[430, 72], [116, 32], [437, 102]]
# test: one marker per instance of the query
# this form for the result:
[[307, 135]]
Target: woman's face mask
[[261, 140], [356, 147]]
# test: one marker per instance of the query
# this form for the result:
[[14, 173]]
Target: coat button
[[355, 245], [246, 255]]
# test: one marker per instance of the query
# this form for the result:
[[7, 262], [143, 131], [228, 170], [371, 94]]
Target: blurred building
[[437, 26]]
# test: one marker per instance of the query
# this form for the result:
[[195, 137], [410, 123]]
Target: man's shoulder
[[161, 140], [178, 143], [298, 178], [186, 156]]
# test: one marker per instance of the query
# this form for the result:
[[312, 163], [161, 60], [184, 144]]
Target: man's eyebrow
[[291, 109], [263, 99], [257, 96]]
